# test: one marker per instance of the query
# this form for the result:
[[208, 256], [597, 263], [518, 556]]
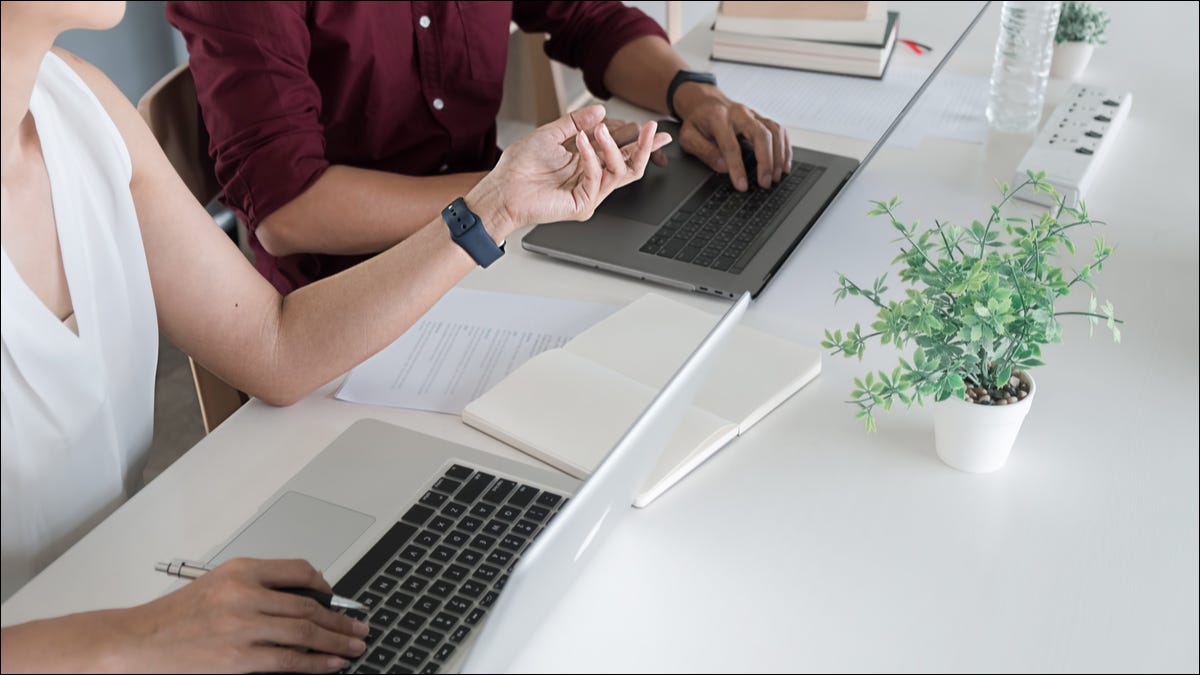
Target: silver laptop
[[428, 533], [685, 225]]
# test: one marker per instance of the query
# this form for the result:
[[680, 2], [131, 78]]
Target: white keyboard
[[1074, 141]]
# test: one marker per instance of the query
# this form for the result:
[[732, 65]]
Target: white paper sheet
[[863, 108], [466, 344]]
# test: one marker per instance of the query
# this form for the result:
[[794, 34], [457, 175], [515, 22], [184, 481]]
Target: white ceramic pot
[[978, 438], [1070, 60]]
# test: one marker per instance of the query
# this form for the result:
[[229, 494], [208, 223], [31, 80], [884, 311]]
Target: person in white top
[[98, 228]]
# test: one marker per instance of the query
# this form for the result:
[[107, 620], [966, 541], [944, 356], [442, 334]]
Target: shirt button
[[443, 168], [438, 104], [424, 21]]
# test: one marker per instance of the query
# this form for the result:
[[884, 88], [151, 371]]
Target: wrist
[[691, 96], [486, 200]]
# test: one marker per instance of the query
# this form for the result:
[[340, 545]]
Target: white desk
[[810, 545]]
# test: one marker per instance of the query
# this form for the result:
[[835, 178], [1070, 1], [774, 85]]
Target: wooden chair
[[171, 111]]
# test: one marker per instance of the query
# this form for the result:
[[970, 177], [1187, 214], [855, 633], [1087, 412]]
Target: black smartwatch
[[467, 231], [686, 76]]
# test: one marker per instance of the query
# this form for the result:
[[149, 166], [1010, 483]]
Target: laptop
[[686, 226], [458, 554]]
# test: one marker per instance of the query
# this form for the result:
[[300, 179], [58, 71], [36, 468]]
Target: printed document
[[466, 344]]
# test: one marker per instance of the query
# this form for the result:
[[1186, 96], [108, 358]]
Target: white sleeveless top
[[77, 410]]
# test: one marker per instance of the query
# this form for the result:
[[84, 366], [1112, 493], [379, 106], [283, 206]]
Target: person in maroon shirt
[[340, 128]]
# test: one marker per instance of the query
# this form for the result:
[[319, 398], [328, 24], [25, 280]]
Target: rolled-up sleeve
[[261, 107], [586, 35]]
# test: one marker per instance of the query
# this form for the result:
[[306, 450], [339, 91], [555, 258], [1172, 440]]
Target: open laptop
[[685, 225], [427, 533]]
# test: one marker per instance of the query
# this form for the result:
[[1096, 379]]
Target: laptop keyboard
[[431, 579], [721, 228]]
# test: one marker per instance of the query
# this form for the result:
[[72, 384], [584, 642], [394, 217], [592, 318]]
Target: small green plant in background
[[1081, 22], [979, 305]]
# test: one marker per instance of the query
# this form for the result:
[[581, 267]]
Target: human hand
[[539, 180], [711, 126], [623, 132], [232, 619]]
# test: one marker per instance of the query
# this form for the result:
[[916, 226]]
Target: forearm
[[77, 643], [327, 327], [641, 71], [350, 211]]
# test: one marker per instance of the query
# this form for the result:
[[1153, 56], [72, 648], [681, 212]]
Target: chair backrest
[[171, 111]]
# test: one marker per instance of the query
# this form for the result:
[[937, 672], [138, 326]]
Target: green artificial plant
[[1081, 22], [979, 305]]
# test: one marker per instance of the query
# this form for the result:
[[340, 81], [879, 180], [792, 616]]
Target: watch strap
[[466, 229], [681, 77]]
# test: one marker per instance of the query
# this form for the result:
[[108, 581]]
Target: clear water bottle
[[1022, 65]]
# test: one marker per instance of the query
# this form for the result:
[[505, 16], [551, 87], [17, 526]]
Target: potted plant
[[1081, 26], [979, 305]]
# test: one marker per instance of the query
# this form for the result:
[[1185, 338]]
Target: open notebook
[[569, 406]]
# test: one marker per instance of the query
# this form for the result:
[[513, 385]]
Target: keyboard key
[[384, 617], [417, 514], [426, 538], [474, 486], [499, 584], [413, 656], [460, 634], [537, 514], [483, 542], [672, 247], [365, 669], [475, 615], [433, 499], [383, 585], [414, 584], [457, 604], [427, 605], [522, 496], [686, 254], [457, 539], [399, 568], [446, 485], [499, 491], [499, 557], [441, 588], [383, 551], [396, 639], [429, 639], [548, 499], [488, 599], [412, 621], [429, 569], [495, 528], [399, 600], [512, 542], [482, 510], [380, 657], [369, 599], [525, 528], [456, 573], [444, 653], [459, 472], [443, 622], [472, 589], [453, 510], [440, 524], [412, 553], [442, 554], [430, 667], [486, 573], [469, 557], [508, 513], [470, 523]]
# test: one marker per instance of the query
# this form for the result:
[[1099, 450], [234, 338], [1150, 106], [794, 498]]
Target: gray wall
[[135, 54]]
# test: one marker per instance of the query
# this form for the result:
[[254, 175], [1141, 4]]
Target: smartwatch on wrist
[[685, 76], [468, 232]]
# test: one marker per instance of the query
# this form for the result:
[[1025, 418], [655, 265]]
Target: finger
[[591, 171], [639, 155], [266, 659], [764, 146], [787, 146], [287, 605], [704, 149], [622, 132], [615, 163], [731, 152], [305, 634], [286, 573], [779, 136], [579, 120], [659, 158]]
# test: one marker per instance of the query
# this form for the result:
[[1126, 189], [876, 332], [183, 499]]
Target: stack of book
[[849, 38]]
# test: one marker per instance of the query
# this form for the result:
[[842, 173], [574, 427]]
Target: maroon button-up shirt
[[288, 88]]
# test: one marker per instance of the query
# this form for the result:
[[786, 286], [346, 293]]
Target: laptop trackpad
[[299, 526]]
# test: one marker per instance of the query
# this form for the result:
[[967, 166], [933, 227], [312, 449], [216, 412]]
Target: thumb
[[584, 119]]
